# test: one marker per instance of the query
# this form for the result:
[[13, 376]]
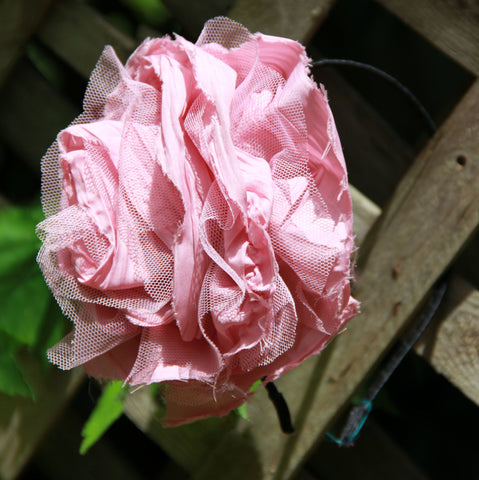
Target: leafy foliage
[[12, 378], [28, 318]]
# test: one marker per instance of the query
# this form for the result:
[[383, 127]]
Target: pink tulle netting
[[198, 223]]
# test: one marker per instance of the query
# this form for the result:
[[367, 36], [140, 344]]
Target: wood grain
[[451, 25], [451, 344], [365, 214], [20, 19]]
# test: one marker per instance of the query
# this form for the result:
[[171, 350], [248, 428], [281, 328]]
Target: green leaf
[[242, 410], [255, 385], [7, 343], [22, 289], [12, 378], [25, 299], [108, 409], [18, 242]]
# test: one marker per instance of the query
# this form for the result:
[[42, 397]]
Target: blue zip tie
[[356, 420]]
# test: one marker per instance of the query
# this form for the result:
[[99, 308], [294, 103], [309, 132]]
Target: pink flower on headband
[[199, 224]]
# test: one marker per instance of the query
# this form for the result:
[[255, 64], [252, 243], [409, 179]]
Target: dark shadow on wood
[[299, 420], [458, 290]]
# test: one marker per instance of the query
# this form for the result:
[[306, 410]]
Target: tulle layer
[[199, 223]]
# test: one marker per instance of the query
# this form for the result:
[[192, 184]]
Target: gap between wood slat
[[450, 25]]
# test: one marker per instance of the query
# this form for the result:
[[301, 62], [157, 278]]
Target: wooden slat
[[451, 345], [365, 213], [451, 25], [23, 422], [273, 17], [78, 34], [286, 18], [20, 19]]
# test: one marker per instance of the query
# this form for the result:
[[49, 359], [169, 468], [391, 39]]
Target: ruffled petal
[[199, 222]]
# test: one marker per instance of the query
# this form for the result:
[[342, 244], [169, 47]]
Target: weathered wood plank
[[23, 422], [20, 19], [286, 18], [78, 34], [451, 25], [451, 344]]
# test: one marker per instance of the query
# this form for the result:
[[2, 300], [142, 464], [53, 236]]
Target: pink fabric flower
[[199, 224]]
